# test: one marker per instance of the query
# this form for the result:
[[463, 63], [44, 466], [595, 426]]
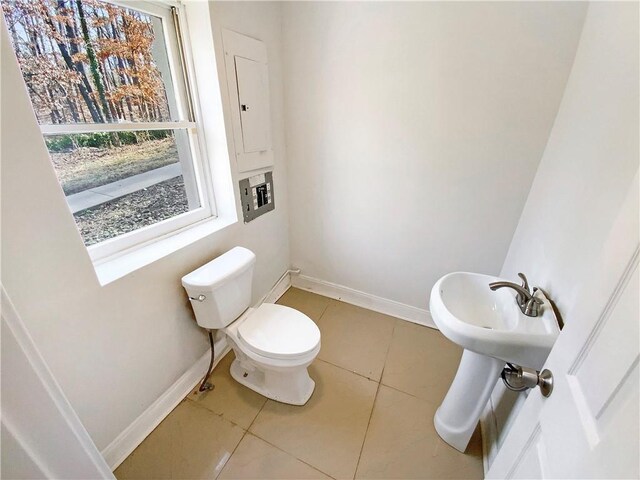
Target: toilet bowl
[[273, 344]]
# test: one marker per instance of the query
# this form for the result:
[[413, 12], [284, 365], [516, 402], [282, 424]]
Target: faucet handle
[[532, 307], [525, 282], [520, 298]]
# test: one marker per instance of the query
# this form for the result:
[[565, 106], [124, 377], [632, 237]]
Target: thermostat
[[257, 195]]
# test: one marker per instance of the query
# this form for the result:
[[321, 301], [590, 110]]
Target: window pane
[[117, 182], [91, 62]]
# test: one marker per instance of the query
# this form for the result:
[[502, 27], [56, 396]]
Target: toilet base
[[293, 386]]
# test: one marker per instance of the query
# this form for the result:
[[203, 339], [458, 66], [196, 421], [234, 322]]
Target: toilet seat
[[279, 332]]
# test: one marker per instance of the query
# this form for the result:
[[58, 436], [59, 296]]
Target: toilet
[[273, 344]]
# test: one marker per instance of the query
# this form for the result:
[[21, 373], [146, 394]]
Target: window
[[109, 89]]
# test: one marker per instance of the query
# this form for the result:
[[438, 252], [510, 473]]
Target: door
[[588, 427]]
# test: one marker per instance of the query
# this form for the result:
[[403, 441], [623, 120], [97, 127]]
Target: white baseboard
[[365, 300], [489, 430], [125, 443]]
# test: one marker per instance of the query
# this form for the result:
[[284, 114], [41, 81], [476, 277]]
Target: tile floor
[[378, 383]]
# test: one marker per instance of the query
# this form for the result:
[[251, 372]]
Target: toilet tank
[[220, 290]]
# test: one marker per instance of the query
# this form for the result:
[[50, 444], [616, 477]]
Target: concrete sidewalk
[[106, 193]]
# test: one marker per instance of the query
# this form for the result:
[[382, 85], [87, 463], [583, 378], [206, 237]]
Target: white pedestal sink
[[492, 330]]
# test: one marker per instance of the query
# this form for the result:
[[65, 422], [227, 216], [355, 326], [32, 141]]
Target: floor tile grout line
[[274, 446], [386, 355], [396, 388], [340, 300], [225, 419], [222, 416], [289, 453], [258, 414], [347, 370], [241, 439], [410, 394], [375, 399], [324, 310], [198, 404], [366, 432], [244, 434], [306, 291]]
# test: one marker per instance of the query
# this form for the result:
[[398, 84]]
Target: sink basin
[[490, 322], [492, 329]]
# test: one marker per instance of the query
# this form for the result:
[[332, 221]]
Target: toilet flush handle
[[199, 298]]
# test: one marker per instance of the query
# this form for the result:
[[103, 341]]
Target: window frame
[[180, 61]]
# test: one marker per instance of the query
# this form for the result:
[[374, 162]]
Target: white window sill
[[124, 263]]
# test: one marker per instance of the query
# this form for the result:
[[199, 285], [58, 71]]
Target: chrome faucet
[[529, 305]]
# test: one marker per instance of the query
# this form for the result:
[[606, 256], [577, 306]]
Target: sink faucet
[[529, 305]]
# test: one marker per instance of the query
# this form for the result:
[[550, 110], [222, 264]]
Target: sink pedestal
[[458, 415]]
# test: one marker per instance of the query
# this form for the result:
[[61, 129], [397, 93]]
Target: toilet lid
[[277, 331]]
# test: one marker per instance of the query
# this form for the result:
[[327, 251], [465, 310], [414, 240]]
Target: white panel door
[[253, 97], [588, 427]]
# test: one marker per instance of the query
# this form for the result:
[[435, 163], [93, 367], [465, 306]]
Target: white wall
[[41, 435], [115, 349], [414, 131], [587, 168]]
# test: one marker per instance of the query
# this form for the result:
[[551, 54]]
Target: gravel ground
[[138, 209]]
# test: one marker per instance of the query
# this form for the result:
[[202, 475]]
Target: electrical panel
[[248, 83], [253, 99], [257, 196]]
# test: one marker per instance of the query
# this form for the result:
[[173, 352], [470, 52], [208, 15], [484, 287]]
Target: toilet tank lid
[[220, 269]]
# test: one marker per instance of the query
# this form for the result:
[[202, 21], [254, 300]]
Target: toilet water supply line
[[205, 385]]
